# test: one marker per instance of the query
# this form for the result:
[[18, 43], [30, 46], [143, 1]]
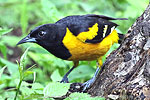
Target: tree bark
[[126, 73]]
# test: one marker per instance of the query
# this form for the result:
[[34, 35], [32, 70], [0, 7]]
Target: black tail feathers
[[121, 37]]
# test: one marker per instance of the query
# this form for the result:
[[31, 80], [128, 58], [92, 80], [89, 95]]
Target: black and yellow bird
[[77, 38]]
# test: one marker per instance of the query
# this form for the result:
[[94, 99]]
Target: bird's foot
[[64, 80], [87, 84]]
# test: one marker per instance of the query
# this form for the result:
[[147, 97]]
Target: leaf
[[23, 57], [12, 68], [24, 84], [24, 16], [3, 49], [50, 10], [87, 7], [56, 89], [22, 62], [12, 40], [4, 31], [82, 96], [79, 95], [35, 96], [82, 71], [59, 62], [27, 73], [26, 91], [2, 70], [1, 98], [56, 76], [37, 86]]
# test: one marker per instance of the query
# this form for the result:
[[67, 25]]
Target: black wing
[[105, 17], [78, 24]]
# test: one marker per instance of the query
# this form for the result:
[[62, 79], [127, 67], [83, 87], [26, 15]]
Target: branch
[[126, 73]]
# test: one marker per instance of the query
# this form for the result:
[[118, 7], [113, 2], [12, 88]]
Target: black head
[[44, 35]]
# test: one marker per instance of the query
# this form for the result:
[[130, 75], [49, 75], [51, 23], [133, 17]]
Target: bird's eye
[[41, 33]]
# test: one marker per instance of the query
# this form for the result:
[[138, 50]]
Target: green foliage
[[4, 31], [80, 73], [1, 72], [18, 17], [24, 16], [23, 74], [3, 47], [55, 90], [82, 96]]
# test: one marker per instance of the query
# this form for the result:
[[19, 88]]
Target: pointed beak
[[27, 39]]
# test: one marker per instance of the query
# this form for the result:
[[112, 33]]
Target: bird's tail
[[121, 37]]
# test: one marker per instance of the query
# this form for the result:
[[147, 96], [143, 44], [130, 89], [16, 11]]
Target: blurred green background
[[18, 17]]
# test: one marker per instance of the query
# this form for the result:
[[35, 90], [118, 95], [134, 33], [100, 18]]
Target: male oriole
[[77, 38]]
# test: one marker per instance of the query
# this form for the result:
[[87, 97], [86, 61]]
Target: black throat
[[59, 50]]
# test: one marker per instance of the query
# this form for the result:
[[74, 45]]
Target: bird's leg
[[65, 78], [88, 83]]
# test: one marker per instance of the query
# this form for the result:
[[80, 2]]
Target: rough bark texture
[[126, 73]]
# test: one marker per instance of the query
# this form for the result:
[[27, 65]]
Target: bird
[[77, 38]]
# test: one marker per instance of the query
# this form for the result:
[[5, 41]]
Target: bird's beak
[[27, 39]]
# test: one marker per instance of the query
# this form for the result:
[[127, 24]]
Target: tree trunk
[[126, 73]]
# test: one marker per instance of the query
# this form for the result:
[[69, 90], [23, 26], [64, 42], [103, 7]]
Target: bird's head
[[44, 35]]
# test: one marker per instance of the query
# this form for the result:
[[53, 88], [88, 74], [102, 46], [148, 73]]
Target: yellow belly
[[88, 51]]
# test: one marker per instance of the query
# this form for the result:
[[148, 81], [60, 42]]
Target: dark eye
[[41, 33]]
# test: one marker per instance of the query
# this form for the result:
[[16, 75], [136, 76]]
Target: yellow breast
[[88, 51]]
